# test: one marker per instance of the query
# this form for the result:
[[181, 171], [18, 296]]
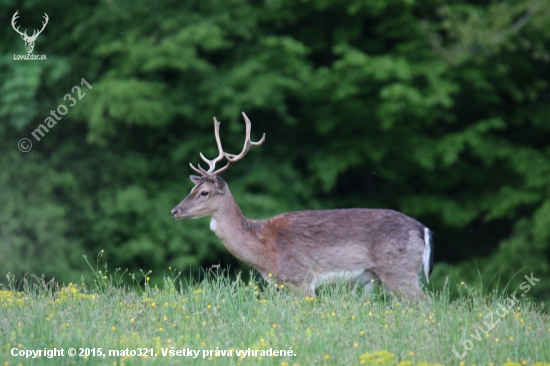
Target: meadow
[[119, 318]]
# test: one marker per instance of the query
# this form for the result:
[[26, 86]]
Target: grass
[[219, 314]]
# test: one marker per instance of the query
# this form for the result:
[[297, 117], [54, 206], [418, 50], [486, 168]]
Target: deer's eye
[[204, 193]]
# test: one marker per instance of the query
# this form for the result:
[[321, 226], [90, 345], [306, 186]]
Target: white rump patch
[[427, 253], [213, 224]]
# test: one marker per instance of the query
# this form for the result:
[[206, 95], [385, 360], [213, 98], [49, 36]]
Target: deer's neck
[[240, 235]]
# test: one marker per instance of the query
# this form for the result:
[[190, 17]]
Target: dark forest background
[[439, 109]]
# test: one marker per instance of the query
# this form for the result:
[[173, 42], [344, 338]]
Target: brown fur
[[305, 247]]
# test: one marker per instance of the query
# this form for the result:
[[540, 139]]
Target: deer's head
[[209, 192], [29, 40]]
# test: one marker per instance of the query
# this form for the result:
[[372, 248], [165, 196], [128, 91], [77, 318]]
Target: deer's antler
[[232, 158], [211, 163], [13, 20], [43, 26], [24, 34]]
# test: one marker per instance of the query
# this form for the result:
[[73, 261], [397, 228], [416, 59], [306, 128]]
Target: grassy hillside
[[232, 322]]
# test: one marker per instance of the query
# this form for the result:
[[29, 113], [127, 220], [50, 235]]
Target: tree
[[435, 110]]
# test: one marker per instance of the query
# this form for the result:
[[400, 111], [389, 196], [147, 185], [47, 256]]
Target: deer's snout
[[175, 211]]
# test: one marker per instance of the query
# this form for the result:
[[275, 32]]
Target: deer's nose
[[175, 211]]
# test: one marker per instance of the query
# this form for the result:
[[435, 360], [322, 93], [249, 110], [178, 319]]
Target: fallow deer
[[310, 248]]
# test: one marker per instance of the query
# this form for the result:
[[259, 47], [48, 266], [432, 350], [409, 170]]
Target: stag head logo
[[29, 40]]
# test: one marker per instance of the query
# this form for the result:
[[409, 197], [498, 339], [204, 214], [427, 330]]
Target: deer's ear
[[220, 185], [195, 179]]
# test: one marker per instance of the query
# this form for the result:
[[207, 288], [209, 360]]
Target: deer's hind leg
[[401, 280], [399, 264], [401, 286]]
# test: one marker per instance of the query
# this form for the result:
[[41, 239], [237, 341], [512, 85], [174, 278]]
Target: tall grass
[[339, 327]]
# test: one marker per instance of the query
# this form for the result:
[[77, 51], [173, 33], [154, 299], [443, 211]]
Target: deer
[[29, 41], [306, 249]]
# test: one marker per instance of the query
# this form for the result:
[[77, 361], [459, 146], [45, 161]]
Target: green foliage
[[437, 110]]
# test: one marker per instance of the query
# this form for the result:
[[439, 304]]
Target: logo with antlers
[[29, 40]]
